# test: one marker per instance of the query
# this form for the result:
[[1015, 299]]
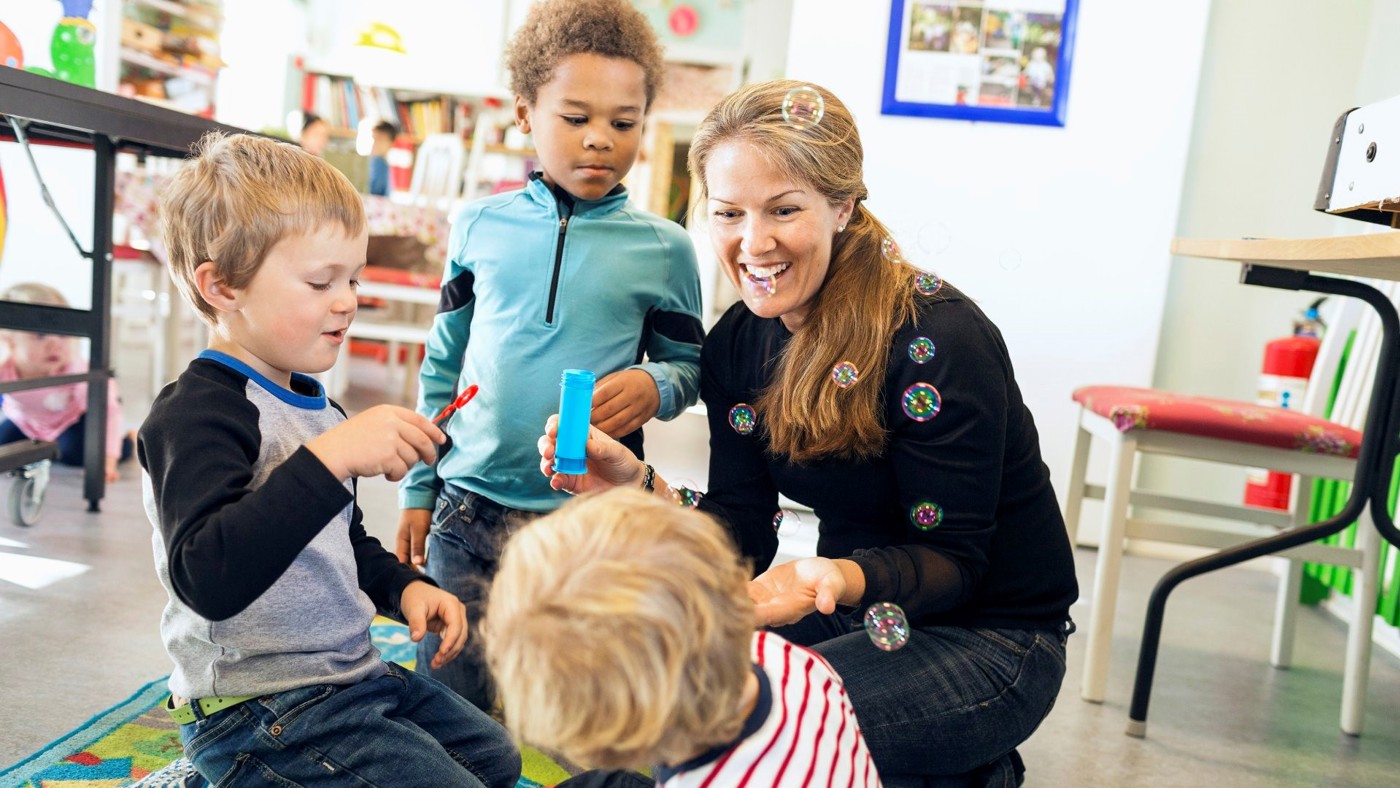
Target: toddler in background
[[54, 413]]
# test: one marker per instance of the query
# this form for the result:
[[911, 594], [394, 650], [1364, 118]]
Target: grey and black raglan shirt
[[272, 580]]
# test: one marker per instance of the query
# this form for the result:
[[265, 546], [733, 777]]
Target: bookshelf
[[169, 53]]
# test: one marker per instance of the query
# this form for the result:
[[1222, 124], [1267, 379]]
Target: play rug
[[136, 738]]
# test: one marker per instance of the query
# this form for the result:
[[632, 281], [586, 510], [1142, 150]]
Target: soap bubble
[[928, 284], [926, 515], [921, 402], [845, 374], [891, 251], [742, 418], [786, 522], [921, 350], [886, 625], [803, 107]]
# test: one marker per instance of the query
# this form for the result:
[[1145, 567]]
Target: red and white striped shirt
[[802, 731]]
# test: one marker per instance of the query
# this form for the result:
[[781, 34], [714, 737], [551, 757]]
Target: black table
[[53, 112], [1294, 264]]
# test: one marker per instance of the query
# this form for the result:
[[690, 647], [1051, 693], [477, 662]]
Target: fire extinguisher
[[1288, 362]]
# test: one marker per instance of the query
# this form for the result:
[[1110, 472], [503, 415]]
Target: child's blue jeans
[[398, 729]]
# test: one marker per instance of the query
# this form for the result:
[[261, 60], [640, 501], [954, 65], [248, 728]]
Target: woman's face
[[772, 235]]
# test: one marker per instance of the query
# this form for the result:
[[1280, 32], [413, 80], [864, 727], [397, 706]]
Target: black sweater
[[1000, 557]]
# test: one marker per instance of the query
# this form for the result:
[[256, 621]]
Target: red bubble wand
[[462, 399]]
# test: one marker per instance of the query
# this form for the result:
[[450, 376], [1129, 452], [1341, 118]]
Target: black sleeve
[[948, 468], [742, 493], [226, 543], [380, 574]]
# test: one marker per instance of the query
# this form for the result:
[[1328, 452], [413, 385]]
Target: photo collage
[[989, 54]]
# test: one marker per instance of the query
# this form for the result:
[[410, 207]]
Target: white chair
[[438, 168], [1125, 421]]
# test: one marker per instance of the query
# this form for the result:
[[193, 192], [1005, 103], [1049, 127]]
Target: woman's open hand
[[790, 591]]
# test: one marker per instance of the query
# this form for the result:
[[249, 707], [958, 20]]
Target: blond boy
[[621, 634], [250, 483]]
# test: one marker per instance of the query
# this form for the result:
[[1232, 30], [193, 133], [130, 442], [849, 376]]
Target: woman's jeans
[[948, 708], [397, 729], [463, 548]]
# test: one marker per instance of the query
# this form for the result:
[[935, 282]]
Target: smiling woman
[[884, 399]]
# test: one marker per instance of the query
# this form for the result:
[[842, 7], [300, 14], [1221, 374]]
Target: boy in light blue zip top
[[565, 273]]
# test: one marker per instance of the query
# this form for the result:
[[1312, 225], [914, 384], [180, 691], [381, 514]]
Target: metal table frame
[[1289, 265], [58, 113]]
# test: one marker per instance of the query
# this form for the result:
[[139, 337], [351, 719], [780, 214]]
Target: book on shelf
[[344, 104]]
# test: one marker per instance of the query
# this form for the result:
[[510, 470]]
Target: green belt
[[185, 714]]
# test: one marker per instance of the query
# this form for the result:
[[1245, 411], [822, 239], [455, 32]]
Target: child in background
[[565, 273], [315, 134], [621, 634], [250, 484], [55, 413], [383, 134]]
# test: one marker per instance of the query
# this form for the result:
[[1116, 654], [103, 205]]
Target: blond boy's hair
[[556, 29], [619, 631], [237, 197]]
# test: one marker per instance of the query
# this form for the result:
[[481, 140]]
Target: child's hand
[[112, 474], [413, 532], [385, 439], [428, 608], [610, 464], [623, 401]]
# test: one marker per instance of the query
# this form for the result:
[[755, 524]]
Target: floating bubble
[[934, 237], [742, 418], [687, 495], [786, 523], [921, 402], [928, 284], [1010, 260], [891, 251], [845, 374], [803, 107], [921, 350], [927, 515], [886, 625]]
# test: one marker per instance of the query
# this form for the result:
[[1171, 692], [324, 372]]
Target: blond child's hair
[[556, 29], [27, 293], [237, 197], [618, 631]]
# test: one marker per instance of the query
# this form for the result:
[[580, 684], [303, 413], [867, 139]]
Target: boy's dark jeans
[[463, 547]]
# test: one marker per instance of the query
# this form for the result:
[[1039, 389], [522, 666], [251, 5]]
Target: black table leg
[[1378, 446]]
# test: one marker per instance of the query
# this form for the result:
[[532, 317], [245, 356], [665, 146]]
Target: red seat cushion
[[1166, 411]]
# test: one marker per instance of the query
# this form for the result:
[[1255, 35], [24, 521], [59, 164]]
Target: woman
[[884, 399]]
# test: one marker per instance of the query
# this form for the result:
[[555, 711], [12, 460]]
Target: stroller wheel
[[26, 500]]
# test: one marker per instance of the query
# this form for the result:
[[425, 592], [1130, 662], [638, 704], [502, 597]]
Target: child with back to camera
[[54, 413], [564, 273], [621, 634], [250, 484]]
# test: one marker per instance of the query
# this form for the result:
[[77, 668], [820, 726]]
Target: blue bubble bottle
[[575, 409]]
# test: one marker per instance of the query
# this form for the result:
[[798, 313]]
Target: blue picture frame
[[941, 74]]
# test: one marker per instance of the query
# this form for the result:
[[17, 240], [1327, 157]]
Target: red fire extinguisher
[[1288, 362]]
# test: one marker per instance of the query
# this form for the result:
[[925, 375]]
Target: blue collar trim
[[315, 401]]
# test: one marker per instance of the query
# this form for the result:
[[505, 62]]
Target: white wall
[[253, 88], [1263, 125], [1090, 209]]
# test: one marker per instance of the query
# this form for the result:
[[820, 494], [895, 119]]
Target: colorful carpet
[[135, 741]]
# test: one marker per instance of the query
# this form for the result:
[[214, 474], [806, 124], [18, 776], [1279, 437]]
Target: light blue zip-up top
[[537, 282]]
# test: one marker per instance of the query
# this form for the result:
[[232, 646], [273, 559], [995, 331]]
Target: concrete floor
[[1221, 716]]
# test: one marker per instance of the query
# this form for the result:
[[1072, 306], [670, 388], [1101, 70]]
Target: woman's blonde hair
[[237, 197], [618, 630], [864, 299]]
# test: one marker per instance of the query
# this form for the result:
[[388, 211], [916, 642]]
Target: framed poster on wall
[[992, 60]]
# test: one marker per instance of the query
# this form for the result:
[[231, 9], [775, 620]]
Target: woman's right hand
[[610, 464]]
